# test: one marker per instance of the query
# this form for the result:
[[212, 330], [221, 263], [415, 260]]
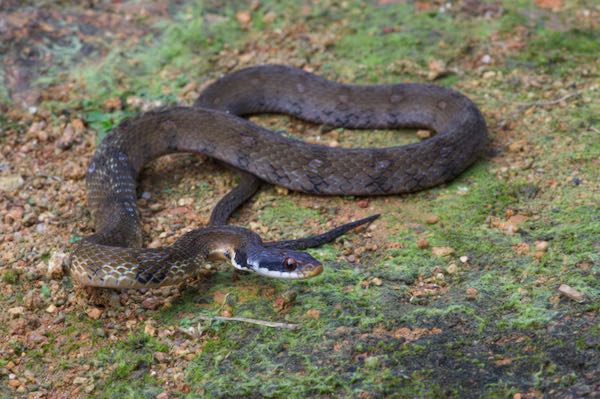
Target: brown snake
[[113, 257]]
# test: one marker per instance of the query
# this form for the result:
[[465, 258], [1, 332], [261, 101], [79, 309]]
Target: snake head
[[276, 262]]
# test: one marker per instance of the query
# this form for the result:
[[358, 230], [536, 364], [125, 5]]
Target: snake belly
[[113, 256]]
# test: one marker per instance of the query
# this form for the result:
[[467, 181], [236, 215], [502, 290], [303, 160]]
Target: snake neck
[[96, 263], [215, 243]]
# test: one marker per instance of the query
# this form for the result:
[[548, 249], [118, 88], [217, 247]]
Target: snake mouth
[[308, 271], [312, 270]]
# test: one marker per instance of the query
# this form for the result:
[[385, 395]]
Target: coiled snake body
[[113, 257]]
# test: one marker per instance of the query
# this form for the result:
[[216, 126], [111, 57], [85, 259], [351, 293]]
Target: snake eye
[[290, 264]]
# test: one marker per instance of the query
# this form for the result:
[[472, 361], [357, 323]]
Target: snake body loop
[[113, 257]]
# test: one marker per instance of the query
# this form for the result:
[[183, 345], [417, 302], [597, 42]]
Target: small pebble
[[10, 182], [94, 313], [489, 75], [79, 380], [285, 301], [66, 140], [35, 337], [156, 207], [517, 146], [432, 219], [243, 17], [150, 329], [51, 308], [55, 265], [60, 318], [16, 311], [472, 293], [32, 300], [151, 303], [113, 103], [571, 293], [269, 17], [442, 251], [29, 375], [423, 134], [452, 268], [363, 203], [464, 259], [422, 243], [282, 190], [377, 281], [186, 201], [14, 383], [13, 215], [542, 246], [161, 357]]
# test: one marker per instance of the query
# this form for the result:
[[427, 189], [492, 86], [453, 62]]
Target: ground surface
[[454, 292]]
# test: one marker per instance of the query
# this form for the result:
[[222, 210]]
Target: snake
[[217, 126]]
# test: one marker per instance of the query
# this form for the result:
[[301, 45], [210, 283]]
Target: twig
[[549, 102], [522, 106], [251, 321]]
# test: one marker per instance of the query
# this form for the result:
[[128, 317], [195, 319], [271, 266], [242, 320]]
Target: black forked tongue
[[315, 241]]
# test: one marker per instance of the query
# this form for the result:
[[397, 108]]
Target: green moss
[[511, 19], [289, 214], [10, 277], [159, 66], [145, 388], [559, 52], [130, 360], [103, 122], [374, 41], [4, 92]]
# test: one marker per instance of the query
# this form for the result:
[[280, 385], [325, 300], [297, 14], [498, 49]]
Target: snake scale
[[114, 257]]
